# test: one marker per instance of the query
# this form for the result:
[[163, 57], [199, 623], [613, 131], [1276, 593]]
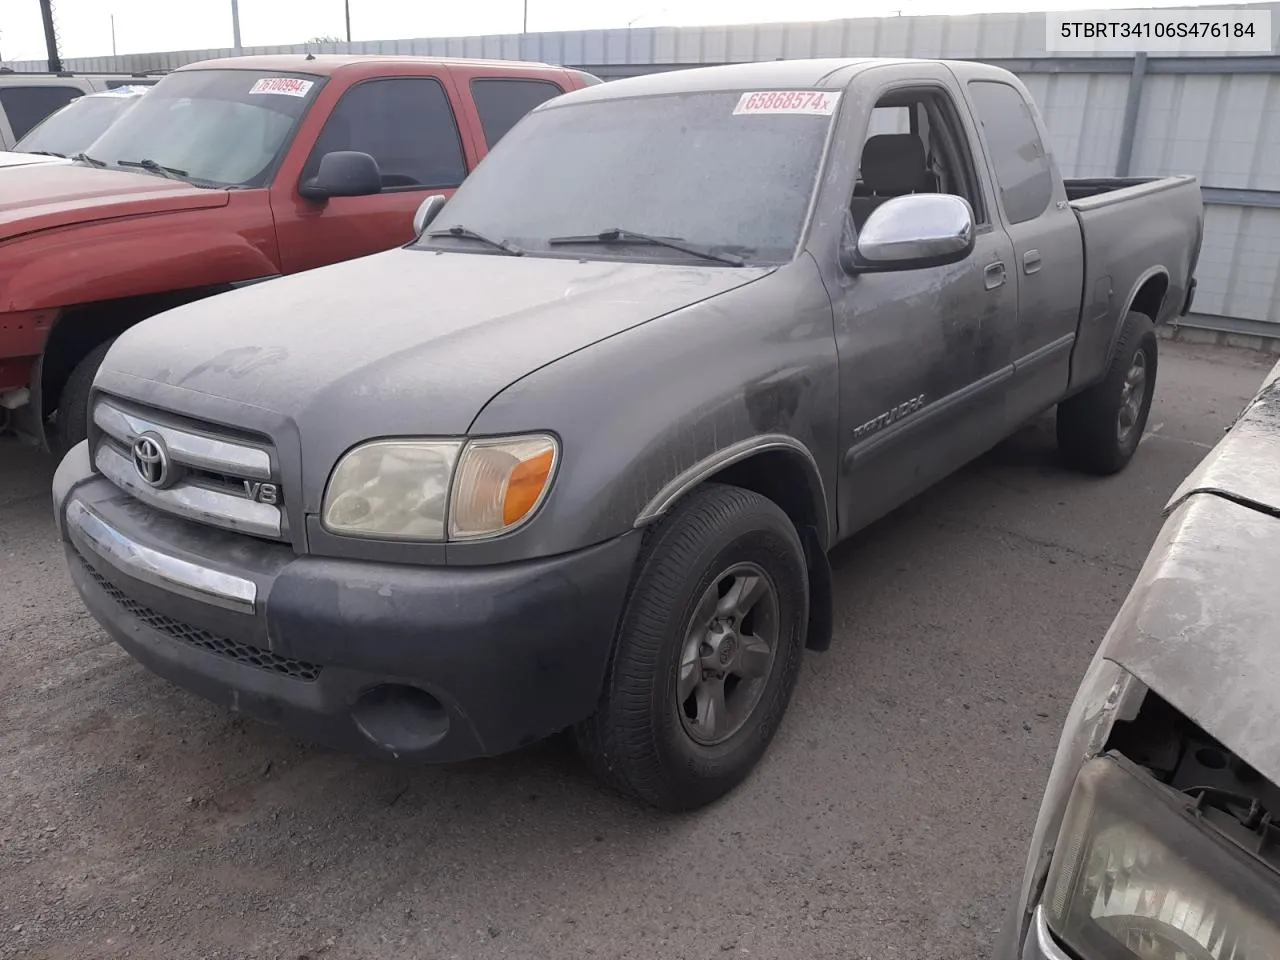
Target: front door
[[925, 355], [407, 124]]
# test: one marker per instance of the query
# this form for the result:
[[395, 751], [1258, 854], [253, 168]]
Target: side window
[[501, 103], [406, 124], [915, 144], [1021, 163], [25, 106]]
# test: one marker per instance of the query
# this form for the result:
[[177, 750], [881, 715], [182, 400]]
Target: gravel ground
[[889, 819]]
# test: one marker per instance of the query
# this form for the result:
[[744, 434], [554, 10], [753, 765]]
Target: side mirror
[[428, 210], [343, 173], [911, 233]]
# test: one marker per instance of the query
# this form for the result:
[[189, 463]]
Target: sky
[[141, 26]]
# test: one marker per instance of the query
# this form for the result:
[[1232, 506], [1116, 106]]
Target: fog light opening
[[400, 718]]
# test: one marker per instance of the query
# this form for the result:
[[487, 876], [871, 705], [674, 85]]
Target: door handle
[[993, 275], [1031, 261]]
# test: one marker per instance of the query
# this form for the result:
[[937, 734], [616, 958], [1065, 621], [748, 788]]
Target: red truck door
[[414, 128]]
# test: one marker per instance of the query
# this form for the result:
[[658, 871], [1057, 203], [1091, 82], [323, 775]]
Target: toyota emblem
[[151, 460]]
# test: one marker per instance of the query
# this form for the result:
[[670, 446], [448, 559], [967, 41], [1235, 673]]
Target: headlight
[[419, 489], [392, 488], [1135, 877]]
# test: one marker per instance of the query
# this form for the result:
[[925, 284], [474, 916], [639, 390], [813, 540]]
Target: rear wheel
[[707, 654], [1099, 429]]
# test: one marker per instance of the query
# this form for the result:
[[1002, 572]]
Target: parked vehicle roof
[[327, 64]]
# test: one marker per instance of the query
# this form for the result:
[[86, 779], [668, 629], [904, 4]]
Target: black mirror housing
[[343, 173]]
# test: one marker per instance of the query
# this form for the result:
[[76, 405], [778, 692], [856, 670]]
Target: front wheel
[[73, 405], [1099, 429], [708, 651]]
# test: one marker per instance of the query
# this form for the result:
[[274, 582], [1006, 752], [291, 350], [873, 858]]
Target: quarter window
[[1021, 162], [406, 124]]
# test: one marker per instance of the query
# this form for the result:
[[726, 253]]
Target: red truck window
[[406, 124], [502, 102]]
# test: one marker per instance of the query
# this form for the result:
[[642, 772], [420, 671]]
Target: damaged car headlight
[[1136, 876], [433, 490]]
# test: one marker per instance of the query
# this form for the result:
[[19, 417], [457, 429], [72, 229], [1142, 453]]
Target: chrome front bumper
[[93, 535]]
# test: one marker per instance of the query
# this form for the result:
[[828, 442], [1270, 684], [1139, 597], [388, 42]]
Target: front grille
[[194, 636], [195, 470]]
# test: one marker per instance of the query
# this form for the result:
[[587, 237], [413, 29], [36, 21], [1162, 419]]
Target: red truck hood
[[42, 196]]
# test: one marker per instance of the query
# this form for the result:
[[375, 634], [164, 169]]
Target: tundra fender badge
[[891, 415]]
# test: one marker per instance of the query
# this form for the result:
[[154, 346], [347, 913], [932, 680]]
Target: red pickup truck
[[230, 172]]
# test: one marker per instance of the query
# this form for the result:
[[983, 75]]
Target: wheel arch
[[80, 329], [784, 471], [1147, 296]]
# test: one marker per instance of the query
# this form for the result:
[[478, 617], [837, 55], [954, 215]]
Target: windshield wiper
[[92, 161], [173, 173], [468, 234], [47, 153], [619, 235]]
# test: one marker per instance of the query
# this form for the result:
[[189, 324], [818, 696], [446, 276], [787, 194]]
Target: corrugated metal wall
[[1215, 117]]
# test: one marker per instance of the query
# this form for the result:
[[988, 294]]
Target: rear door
[[501, 98], [1048, 250], [410, 125]]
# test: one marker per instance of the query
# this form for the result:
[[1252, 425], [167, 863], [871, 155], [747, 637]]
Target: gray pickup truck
[[574, 458], [1159, 829]]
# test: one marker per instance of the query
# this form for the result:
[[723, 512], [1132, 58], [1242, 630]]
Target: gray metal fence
[[1217, 117]]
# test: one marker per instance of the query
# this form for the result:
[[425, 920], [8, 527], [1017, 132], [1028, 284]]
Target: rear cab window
[[406, 124], [502, 101], [1024, 174]]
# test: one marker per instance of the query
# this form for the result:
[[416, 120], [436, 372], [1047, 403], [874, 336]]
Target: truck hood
[[407, 342], [9, 158], [1199, 625], [44, 196]]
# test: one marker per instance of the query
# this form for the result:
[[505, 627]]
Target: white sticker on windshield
[[284, 86], [816, 103]]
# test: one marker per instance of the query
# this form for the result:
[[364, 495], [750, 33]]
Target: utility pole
[[50, 36], [346, 9], [113, 34], [524, 27], [235, 26]]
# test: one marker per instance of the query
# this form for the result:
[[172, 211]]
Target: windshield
[[694, 166], [217, 127], [70, 130]]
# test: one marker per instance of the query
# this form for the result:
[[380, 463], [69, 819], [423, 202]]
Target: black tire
[[1099, 429], [73, 405], [638, 741]]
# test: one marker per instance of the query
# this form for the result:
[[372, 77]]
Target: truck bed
[[1135, 232]]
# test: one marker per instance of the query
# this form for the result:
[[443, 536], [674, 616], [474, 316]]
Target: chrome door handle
[[1031, 261], [993, 275]]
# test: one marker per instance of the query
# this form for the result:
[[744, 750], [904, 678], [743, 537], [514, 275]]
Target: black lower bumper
[[417, 663]]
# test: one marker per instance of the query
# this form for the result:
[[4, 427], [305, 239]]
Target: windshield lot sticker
[[814, 103], [284, 86]]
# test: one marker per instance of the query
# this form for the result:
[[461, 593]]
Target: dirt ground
[[888, 820]]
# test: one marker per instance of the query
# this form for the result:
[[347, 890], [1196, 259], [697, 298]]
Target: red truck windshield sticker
[[816, 103], [283, 86]]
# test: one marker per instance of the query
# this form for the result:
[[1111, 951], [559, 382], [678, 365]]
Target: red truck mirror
[[343, 173]]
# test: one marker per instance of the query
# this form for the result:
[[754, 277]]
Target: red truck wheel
[[73, 405]]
